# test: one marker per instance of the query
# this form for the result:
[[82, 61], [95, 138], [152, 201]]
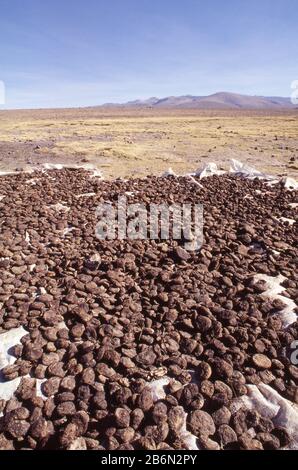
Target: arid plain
[[137, 142]]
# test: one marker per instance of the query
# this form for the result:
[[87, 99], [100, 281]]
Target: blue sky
[[80, 53]]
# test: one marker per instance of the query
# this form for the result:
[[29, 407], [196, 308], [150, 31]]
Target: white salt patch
[[25, 170], [59, 166], [273, 182], [290, 221], [7, 341], [157, 388], [96, 174], [169, 172], [85, 195], [4, 173], [270, 404], [7, 389], [208, 170], [32, 182], [195, 182], [285, 219], [53, 166], [246, 171], [258, 248], [290, 183], [293, 205], [67, 230], [274, 291], [96, 258], [242, 169], [39, 393], [59, 207]]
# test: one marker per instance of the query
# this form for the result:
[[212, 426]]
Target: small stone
[[68, 383], [51, 358], [293, 371], [207, 444], [77, 330], [203, 323], [265, 425], [15, 424], [176, 418], [182, 254], [32, 354], [40, 371], [159, 412], [81, 420], [223, 369], [127, 363], [19, 269], [88, 376], [239, 422], [39, 429], [68, 435], [56, 369], [51, 386], [26, 389], [146, 358], [145, 400], [201, 423], [5, 444], [91, 287], [51, 318], [122, 418], [125, 435], [137, 417], [221, 416], [146, 443], [226, 435], [66, 408], [283, 436], [261, 361], [206, 388], [247, 228], [269, 441], [260, 346], [248, 443], [203, 371], [65, 396]]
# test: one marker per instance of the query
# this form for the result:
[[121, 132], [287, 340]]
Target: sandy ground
[[138, 142]]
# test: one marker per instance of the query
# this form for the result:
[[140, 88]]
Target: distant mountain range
[[220, 100]]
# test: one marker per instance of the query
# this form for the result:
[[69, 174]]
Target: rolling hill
[[222, 100]]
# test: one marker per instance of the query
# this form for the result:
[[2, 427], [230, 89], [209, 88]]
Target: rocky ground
[[105, 318]]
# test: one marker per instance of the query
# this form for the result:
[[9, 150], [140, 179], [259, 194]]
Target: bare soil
[[138, 142]]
